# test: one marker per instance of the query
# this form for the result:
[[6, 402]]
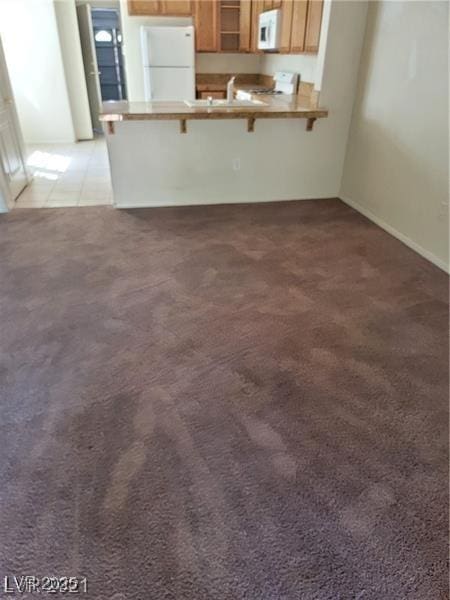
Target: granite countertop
[[282, 106], [219, 86]]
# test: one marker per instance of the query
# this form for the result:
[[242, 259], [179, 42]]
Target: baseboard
[[220, 202], [397, 234]]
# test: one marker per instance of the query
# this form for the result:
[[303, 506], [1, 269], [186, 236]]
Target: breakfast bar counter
[[253, 151], [262, 107]]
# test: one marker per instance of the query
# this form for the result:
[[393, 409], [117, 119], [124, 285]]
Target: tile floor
[[67, 175]]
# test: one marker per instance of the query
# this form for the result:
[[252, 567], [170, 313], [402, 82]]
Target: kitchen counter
[[241, 154], [275, 107]]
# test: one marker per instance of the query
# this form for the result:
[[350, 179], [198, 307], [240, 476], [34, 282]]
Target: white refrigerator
[[168, 55]]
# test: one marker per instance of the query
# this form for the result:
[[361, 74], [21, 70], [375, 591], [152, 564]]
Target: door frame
[[7, 199], [91, 72]]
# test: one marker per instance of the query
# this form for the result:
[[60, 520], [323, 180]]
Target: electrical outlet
[[236, 162], [443, 210]]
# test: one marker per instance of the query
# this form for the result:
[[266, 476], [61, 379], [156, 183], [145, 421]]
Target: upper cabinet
[[233, 25], [222, 25], [300, 24], [206, 21], [313, 26], [176, 7], [286, 25], [257, 9], [299, 20], [245, 26], [141, 8], [168, 8]]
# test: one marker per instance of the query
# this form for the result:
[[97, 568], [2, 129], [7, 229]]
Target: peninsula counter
[[212, 155]]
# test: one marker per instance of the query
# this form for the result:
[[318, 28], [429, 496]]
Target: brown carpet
[[219, 403]]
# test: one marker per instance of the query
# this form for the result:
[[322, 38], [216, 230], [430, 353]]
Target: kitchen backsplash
[[304, 64], [266, 64], [227, 63]]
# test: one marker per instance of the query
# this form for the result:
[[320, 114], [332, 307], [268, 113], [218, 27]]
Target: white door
[[90, 62], [12, 163], [168, 46], [169, 84]]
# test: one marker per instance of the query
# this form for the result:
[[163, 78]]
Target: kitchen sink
[[214, 103]]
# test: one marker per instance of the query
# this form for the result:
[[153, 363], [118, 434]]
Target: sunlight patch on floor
[[67, 175]]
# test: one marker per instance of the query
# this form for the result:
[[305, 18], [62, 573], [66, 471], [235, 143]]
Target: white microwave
[[269, 30]]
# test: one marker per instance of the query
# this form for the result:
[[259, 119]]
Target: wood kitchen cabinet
[[299, 18], [206, 21], [313, 26], [300, 26], [222, 25], [216, 94], [257, 9], [286, 25], [233, 25], [176, 8], [143, 7], [245, 26], [161, 8]]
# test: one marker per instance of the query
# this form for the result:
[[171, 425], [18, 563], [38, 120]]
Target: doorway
[[108, 49], [101, 45]]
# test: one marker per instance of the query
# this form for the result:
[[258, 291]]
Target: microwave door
[[263, 36]]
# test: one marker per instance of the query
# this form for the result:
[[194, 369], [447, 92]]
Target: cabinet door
[[245, 26], [144, 7], [219, 95], [268, 5], [299, 15], [206, 20], [286, 25], [257, 9], [313, 26], [176, 7]]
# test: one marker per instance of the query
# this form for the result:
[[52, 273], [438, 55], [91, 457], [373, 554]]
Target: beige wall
[[33, 56], [69, 36], [396, 168]]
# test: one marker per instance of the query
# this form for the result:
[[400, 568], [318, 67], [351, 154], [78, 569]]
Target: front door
[[11, 146]]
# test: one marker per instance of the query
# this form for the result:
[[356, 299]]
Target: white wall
[[33, 55], [66, 18], [320, 59], [342, 51], [396, 169]]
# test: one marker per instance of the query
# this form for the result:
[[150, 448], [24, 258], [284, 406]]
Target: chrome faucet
[[230, 90]]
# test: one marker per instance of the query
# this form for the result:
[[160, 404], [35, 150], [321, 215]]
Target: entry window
[[103, 36]]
